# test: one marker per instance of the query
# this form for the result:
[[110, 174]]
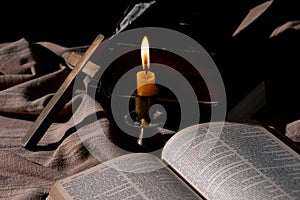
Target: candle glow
[[145, 54]]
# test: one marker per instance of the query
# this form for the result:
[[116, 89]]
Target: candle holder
[[146, 135], [142, 107], [146, 125]]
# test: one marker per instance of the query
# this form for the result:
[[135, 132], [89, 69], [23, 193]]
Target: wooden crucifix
[[45, 118]]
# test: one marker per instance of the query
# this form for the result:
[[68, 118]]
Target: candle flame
[[145, 54]]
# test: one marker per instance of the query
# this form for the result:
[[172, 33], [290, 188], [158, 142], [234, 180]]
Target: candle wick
[[146, 70]]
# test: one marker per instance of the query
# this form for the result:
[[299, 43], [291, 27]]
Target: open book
[[216, 160]]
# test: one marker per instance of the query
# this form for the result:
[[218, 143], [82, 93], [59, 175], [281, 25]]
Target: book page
[[131, 176], [234, 161]]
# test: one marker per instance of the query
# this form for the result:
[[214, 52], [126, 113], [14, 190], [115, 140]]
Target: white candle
[[145, 78]]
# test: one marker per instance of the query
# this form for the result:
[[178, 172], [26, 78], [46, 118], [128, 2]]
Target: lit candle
[[146, 78]]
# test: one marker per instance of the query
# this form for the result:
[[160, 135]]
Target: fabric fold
[[30, 74]]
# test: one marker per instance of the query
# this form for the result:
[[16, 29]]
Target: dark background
[[70, 23], [244, 60]]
